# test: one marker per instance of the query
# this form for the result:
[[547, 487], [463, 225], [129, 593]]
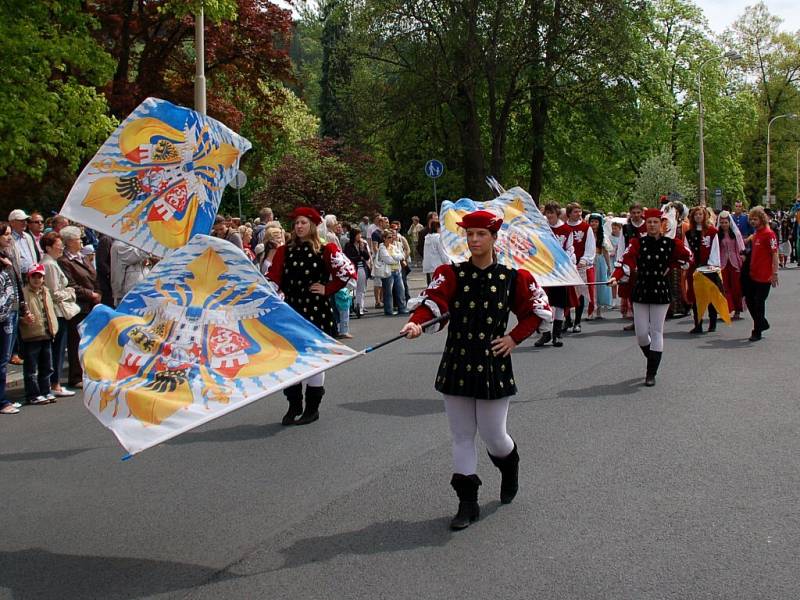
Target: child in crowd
[[37, 337]]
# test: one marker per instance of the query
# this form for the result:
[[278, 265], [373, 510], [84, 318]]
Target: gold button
[[466, 288], [499, 305], [469, 368], [482, 336], [461, 383], [480, 368], [463, 352], [502, 276], [457, 304], [489, 320], [469, 336], [474, 275], [486, 304], [494, 289], [472, 305]]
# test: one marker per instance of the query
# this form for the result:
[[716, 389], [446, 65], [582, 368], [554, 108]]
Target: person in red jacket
[[558, 296], [308, 273], [650, 259], [760, 270], [703, 241], [475, 372], [584, 245]]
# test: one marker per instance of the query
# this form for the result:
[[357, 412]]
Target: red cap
[[652, 213], [307, 212], [481, 219], [36, 269]]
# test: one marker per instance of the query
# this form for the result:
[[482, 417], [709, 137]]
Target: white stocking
[[468, 416], [648, 319]]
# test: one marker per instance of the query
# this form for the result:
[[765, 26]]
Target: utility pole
[[200, 62]]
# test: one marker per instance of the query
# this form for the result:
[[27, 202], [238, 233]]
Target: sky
[[722, 13]]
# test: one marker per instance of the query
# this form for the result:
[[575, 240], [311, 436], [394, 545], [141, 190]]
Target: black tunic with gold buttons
[[478, 314], [303, 267], [653, 262]]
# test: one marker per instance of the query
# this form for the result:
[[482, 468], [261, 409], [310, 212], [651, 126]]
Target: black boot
[[546, 337], [509, 469], [466, 487], [698, 324], [712, 319], [313, 398], [653, 360], [557, 328], [294, 394], [645, 350], [567, 322], [576, 327], [358, 311]]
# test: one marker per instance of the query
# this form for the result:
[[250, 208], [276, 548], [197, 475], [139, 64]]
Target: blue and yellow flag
[[525, 241], [203, 335], [158, 179]]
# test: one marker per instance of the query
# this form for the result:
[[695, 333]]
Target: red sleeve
[[627, 264], [275, 273], [339, 268], [434, 301], [530, 305], [681, 255]]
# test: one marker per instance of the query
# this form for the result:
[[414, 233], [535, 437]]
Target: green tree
[[658, 176], [51, 117]]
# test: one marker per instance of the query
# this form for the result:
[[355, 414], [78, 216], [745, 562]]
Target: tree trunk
[[539, 107]]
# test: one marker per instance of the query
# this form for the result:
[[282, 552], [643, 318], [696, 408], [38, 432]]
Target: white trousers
[[558, 313], [317, 380], [361, 287], [648, 319], [468, 416]]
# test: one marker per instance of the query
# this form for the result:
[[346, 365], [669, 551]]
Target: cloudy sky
[[722, 13]]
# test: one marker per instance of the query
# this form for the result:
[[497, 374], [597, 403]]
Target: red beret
[[482, 219], [307, 212], [652, 213]]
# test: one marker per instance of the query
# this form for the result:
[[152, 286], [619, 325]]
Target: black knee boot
[[645, 350], [712, 319], [294, 394], [653, 360], [557, 329], [546, 337], [698, 324], [509, 469], [466, 487], [576, 327], [313, 398]]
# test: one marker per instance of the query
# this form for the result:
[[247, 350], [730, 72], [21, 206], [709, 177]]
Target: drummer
[[650, 259], [703, 241]]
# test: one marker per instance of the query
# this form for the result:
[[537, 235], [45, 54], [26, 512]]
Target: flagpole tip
[[127, 457]]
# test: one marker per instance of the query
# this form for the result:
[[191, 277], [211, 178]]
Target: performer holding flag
[[308, 273], [475, 374], [650, 258], [558, 296]]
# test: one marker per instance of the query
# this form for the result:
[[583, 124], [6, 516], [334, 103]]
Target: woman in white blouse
[[391, 255], [63, 302], [434, 254]]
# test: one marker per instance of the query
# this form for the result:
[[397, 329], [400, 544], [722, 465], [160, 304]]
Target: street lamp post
[[731, 55], [200, 62], [788, 116]]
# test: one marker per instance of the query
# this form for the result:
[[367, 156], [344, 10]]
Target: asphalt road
[[690, 489]]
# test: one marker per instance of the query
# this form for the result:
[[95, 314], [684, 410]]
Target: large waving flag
[[203, 335], [158, 179], [709, 291], [525, 240]]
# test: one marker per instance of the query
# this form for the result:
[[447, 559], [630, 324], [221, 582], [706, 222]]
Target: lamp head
[[733, 55]]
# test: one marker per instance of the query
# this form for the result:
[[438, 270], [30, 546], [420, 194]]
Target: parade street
[[690, 489]]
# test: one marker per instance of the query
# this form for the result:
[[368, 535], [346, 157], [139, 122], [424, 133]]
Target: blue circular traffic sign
[[434, 168]]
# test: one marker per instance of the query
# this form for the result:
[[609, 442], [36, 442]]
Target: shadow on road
[[408, 407], [622, 388], [719, 343], [238, 433], [390, 536], [56, 454], [41, 575]]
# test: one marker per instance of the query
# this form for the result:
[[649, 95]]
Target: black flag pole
[[424, 326]]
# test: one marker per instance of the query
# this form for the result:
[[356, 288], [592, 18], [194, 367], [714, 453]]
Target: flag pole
[[424, 326]]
